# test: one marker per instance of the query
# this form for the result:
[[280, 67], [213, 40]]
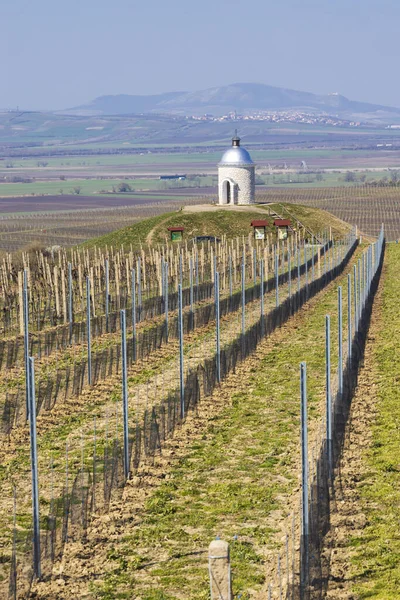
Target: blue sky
[[57, 54]]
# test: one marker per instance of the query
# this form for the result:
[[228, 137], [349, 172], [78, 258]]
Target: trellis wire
[[314, 569], [153, 421]]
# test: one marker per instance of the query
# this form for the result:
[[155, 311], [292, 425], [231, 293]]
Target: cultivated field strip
[[17, 231]]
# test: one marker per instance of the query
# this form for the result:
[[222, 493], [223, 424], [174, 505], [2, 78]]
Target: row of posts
[[164, 280], [357, 296], [136, 312]]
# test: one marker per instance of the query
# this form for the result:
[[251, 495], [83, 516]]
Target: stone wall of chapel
[[244, 177]]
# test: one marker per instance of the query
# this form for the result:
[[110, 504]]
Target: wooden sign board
[[176, 236], [259, 233]]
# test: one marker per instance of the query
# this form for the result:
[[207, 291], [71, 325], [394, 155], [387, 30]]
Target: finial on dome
[[236, 139]]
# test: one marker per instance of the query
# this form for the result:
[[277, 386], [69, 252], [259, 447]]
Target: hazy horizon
[[60, 56]]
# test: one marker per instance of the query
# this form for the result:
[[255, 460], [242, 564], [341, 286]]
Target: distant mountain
[[123, 104], [242, 97]]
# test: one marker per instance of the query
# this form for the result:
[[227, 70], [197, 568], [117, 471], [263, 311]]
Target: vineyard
[[149, 401], [60, 227], [365, 206]]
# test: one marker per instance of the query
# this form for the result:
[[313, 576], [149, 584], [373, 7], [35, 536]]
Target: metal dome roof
[[236, 155]]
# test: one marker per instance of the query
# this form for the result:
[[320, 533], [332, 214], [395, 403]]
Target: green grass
[[159, 155], [314, 219], [377, 559], [261, 157], [133, 234], [217, 223]]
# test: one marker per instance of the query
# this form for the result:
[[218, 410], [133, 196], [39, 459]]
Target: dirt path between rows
[[347, 517]]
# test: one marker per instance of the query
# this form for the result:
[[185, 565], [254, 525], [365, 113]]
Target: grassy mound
[[217, 223]]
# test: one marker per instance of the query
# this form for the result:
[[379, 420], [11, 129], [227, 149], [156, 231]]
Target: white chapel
[[236, 175]]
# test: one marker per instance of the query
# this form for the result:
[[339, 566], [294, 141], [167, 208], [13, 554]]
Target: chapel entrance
[[227, 192]]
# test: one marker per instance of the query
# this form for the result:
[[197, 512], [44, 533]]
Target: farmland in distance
[[72, 220], [365, 206]]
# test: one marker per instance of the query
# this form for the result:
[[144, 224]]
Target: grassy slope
[[216, 223], [204, 223], [314, 218], [377, 559], [234, 480], [133, 234]]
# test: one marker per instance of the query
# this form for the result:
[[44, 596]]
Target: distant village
[[281, 117]]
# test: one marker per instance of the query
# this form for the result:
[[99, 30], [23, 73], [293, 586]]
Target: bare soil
[[77, 202], [209, 208]]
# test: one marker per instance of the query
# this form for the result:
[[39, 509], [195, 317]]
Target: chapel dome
[[236, 155]]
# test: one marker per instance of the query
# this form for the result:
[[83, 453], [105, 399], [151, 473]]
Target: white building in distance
[[236, 176]]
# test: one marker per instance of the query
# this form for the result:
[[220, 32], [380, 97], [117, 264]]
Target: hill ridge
[[241, 97]]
